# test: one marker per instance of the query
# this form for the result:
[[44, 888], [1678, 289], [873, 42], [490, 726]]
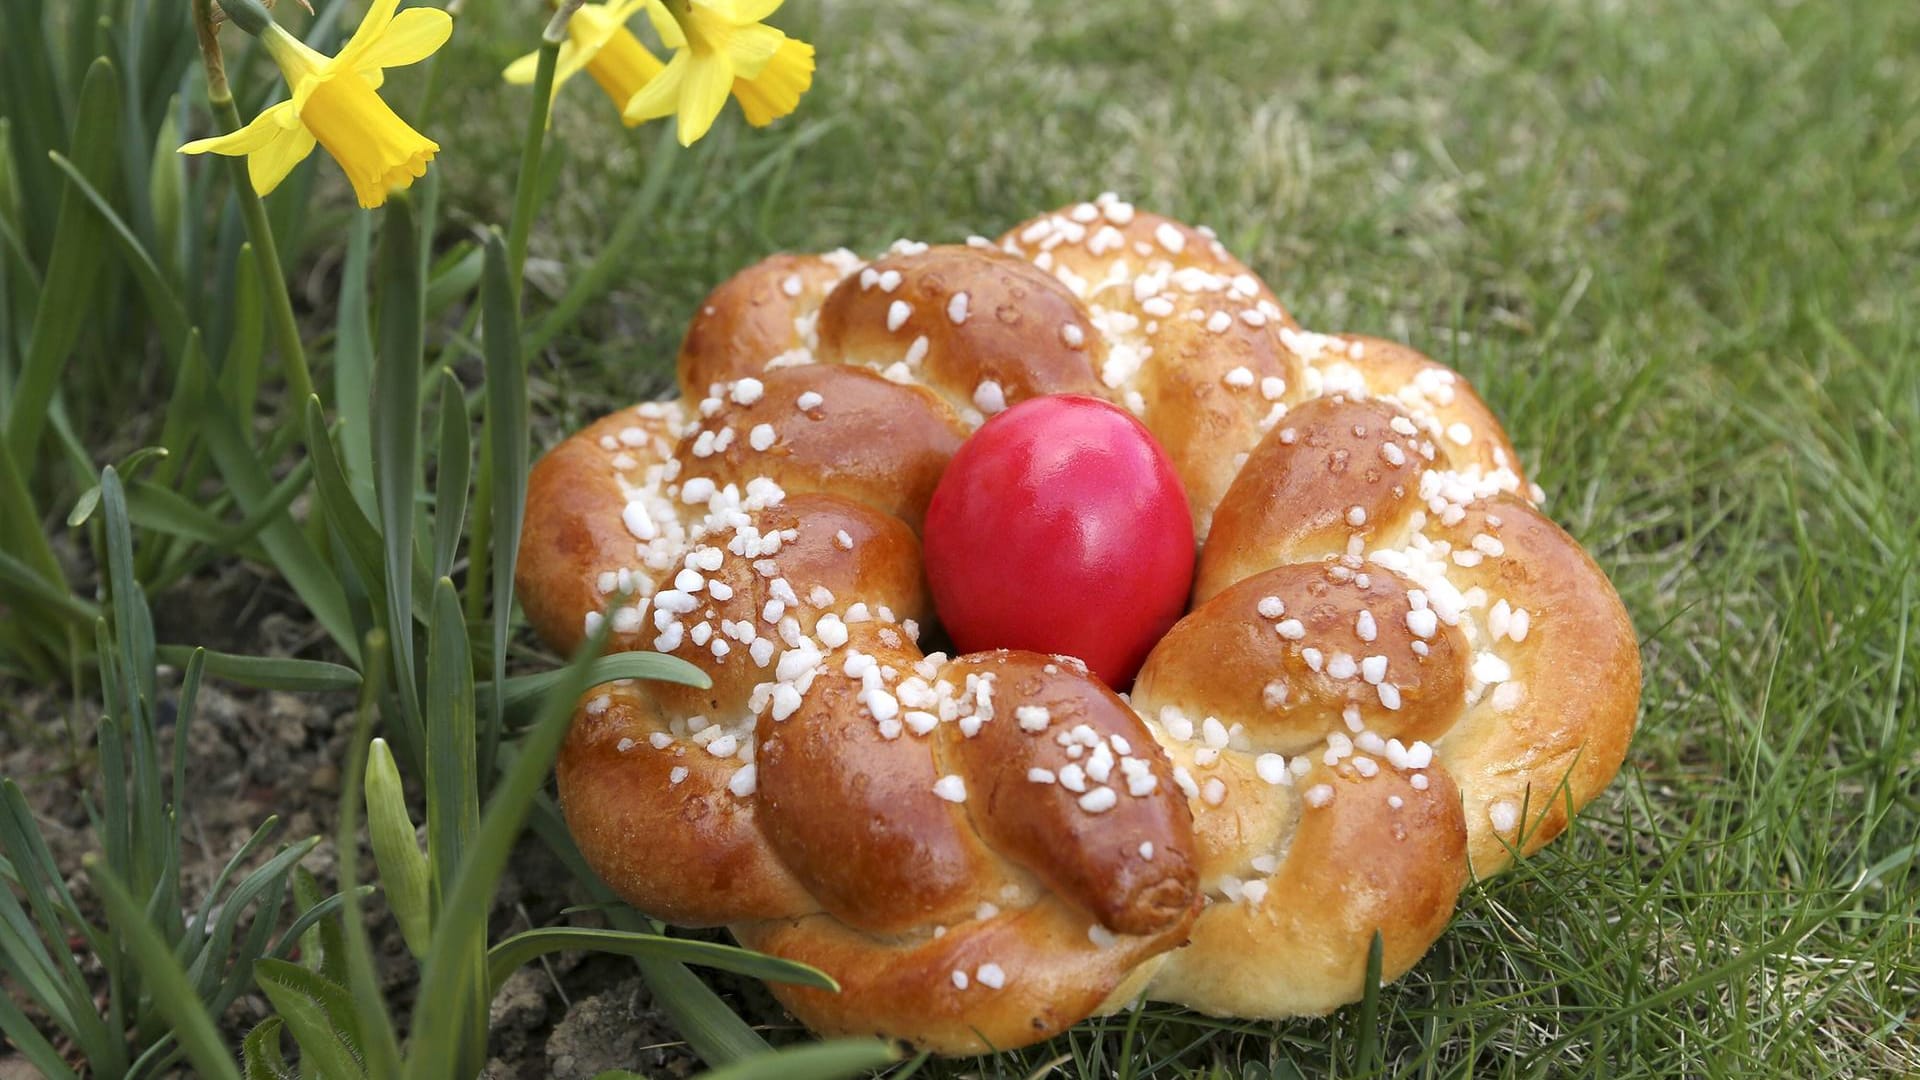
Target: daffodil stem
[[266, 257], [526, 187]]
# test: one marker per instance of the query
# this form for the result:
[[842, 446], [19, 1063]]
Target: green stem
[[526, 186], [266, 258]]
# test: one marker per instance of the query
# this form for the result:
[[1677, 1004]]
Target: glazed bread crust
[[1396, 673]]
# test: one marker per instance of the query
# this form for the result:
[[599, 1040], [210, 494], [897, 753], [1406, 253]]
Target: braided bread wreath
[[1395, 673]]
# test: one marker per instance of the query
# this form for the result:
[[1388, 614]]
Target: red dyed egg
[[1060, 527]]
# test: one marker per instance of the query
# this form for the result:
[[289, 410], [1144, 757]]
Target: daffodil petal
[[661, 95], [303, 92], [270, 164], [568, 63], [741, 11], [369, 31], [708, 82], [263, 129], [666, 25], [622, 10], [750, 47], [522, 71], [412, 37]]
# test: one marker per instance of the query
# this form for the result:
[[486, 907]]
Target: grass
[[1676, 246]]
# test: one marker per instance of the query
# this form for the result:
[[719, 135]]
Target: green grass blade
[[829, 1060], [504, 958], [337, 500], [1367, 1060], [453, 795], [162, 302], [453, 470], [461, 929], [524, 693], [21, 583], [396, 433], [171, 993], [453, 792], [507, 446], [181, 421], [266, 672], [262, 885], [292, 553], [133, 632], [246, 340], [639, 210], [380, 1044], [30, 1044], [159, 509], [78, 252], [713, 1029], [20, 533], [716, 1032], [353, 363]]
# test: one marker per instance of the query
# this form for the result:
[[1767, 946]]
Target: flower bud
[[396, 852]]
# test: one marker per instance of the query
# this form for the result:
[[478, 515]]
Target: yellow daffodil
[[722, 47], [335, 103], [598, 41]]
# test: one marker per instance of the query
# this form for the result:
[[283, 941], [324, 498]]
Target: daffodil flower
[[722, 47], [598, 41], [335, 103]]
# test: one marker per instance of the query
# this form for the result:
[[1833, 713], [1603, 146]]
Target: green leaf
[[182, 418], [445, 981], [353, 363], [80, 242], [19, 582], [171, 993], [167, 190], [714, 1031], [163, 304], [456, 276], [26, 1041], [381, 1045], [510, 954], [453, 790], [247, 338], [292, 553], [506, 389], [396, 433], [263, 884], [827, 1060], [318, 936], [20, 533], [525, 692], [267, 672], [619, 246], [318, 1013], [260, 1052], [1367, 1059], [453, 469], [337, 501], [159, 509]]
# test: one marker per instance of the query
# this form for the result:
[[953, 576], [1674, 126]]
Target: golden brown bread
[[1396, 673]]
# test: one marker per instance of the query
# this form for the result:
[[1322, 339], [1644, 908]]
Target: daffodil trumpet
[[335, 102]]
